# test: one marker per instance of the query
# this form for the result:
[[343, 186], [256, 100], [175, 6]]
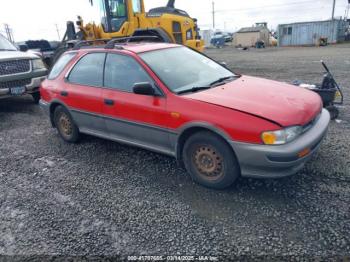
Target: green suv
[[20, 72]]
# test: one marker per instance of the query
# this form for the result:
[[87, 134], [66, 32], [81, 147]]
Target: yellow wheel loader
[[125, 18]]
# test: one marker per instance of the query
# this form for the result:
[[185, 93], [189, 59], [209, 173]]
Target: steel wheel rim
[[208, 162], [65, 124]]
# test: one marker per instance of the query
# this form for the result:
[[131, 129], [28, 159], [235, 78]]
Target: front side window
[[181, 68], [117, 8], [118, 14], [123, 72], [102, 13], [60, 65], [6, 45], [89, 70]]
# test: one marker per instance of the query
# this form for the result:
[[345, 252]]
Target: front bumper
[[263, 161], [30, 88]]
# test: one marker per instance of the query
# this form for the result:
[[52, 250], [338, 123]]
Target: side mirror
[[144, 89], [23, 48]]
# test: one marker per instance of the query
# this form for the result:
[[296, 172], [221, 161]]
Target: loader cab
[[115, 13]]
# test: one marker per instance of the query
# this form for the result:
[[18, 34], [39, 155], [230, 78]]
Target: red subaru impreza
[[173, 100]]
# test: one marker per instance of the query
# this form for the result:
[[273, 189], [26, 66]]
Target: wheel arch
[[193, 128], [53, 105]]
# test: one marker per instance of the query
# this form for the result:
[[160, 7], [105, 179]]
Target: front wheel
[[210, 161]]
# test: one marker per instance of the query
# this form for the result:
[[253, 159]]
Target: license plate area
[[17, 91]]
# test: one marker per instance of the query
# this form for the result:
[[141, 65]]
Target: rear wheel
[[210, 161], [65, 125]]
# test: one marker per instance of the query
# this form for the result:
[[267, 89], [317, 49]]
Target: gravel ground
[[102, 198]]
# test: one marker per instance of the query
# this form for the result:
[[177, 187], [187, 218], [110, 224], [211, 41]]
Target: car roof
[[135, 47], [146, 47]]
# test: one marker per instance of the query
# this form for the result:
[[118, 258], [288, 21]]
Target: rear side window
[[122, 72], [89, 70], [60, 65]]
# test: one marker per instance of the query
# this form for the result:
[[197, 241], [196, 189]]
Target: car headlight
[[281, 137], [38, 64]]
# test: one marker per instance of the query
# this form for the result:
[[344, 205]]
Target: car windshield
[[6, 45], [182, 69]]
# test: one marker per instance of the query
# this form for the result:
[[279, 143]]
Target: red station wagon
[[170, 99]]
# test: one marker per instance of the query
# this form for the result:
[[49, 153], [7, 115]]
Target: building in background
[[312, 33], [249, 36]]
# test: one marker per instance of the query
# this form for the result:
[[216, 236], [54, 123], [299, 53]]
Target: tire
[[36, 97], [210, 161], [65, 125]]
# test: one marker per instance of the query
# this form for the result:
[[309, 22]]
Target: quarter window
[[89, 70], [60, 65], [122, 72]]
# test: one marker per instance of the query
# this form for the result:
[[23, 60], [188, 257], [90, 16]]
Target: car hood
[[15, 55], [281, 103]]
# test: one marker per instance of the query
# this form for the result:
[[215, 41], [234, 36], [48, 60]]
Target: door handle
[[109, 102], [64, 93]]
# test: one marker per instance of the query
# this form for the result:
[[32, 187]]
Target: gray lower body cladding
[[259, 161]]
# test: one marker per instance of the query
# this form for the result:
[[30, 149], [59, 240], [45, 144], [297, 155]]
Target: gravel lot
[[102, 198]]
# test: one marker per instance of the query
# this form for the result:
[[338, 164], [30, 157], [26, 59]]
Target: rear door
[[138, 119], [83, 92]]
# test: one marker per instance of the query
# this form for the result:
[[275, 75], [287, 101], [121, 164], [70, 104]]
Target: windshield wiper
[[194, 89], [216, 83], [7, 49], [222, 79]]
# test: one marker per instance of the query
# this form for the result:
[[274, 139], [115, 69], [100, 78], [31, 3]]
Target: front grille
[[14, 67], [15, 83]]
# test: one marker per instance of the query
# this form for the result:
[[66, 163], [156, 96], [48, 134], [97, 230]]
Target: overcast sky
[[36, 19]]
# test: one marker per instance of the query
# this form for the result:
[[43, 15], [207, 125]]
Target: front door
[[136, 119]]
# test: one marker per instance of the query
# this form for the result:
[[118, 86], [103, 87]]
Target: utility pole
[[213, 15], [58, 32], [334, 2]]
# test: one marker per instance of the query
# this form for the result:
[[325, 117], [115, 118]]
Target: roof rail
[[83, 43], [124, 40]]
